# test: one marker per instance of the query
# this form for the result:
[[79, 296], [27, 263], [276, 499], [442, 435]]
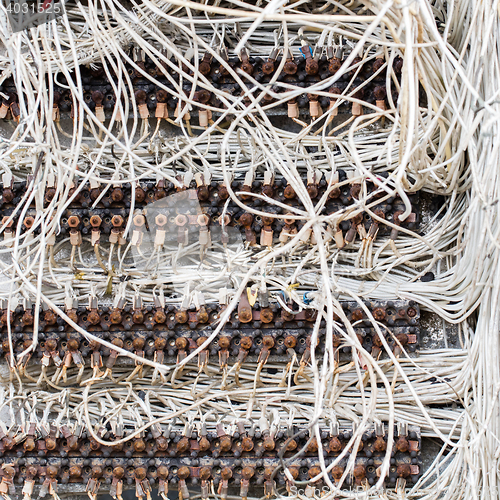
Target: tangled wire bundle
[[267, 112]]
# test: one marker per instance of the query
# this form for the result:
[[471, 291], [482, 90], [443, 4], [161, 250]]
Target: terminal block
[[253, 333], [340, 190], [184, 470], [198, 208], [156, 95]]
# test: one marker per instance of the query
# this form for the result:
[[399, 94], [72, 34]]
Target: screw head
[[95, 221], [73, 221], [161, 220], [116, 220]]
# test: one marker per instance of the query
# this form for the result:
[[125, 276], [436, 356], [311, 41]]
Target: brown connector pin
[[245, 346], [268, 442], [377, 346], [73, 355], [289, 192], [181, 222], [380, 94], [290, 483], [403, 470], [246, 474], [138, 233], [267, 345], [378, 63], [138, 344], [113, 355], [181, 316], [201, 187], [50, 484], [400, 344], [335, 445], [161, 104], [93, 317], [314, 108], [117, 194], [245, 314], [205, 64], [203, 356], [267, 233], [246, 220], [225, 442], [226, 474], [50, 352], [334, 55], [268, 67], [336, 92], [204, 115], [181, 344], [224, 343], [7, 484], [290, 67], [402, 444], [357, 108], [224, 223], [140, 98], [337, 473], [205, 475], [98, 98], [94, 482], [162, 474], [293, 109], [312, 473], [96, 358], [269, 483], [397, 221], [159, 316], [183, 473], [142, 485], [95, 222], [374, 227], [312, 66], [380, 444], [359, 473], [15, 111], [116, 488], [204, 238], [4, 108], [351, 232], [245, 63], [29, 482], [268, 185], [117, 230]]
